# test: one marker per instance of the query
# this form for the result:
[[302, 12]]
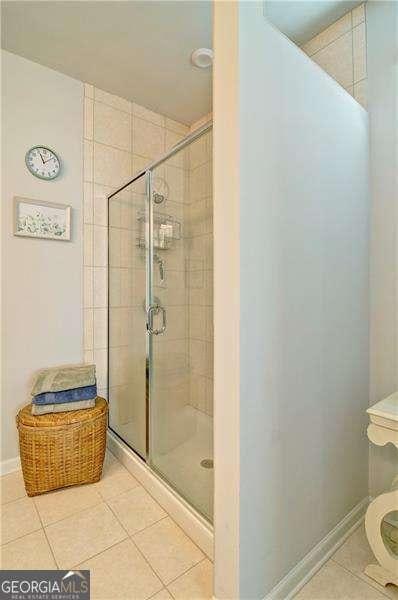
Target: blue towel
[[82, 393]]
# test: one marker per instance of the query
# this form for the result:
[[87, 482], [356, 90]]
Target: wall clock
[[43, 162]]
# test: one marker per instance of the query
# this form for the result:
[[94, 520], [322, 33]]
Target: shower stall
[[160, 329]]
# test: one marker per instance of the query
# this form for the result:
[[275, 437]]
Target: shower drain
[[207, 463]]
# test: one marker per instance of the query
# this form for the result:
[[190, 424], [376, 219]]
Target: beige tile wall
[[199, 251], [120, 137], [341, 51], [127, 337], [170, 351]]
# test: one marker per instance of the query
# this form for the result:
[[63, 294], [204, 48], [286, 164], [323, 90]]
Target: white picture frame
[[42, 220]]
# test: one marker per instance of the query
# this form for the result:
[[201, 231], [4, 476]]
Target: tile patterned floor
[[133, 548], [114, 528], [343, 577]]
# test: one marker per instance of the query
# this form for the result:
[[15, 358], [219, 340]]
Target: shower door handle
[[155, 309]]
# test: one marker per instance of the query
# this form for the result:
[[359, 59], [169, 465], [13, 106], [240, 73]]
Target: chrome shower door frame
[[147, 173]]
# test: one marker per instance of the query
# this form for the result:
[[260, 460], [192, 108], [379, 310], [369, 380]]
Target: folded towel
[[81, 393], [43, 409], [59, 379]]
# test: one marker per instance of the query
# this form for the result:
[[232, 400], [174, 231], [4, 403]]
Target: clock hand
[[42, 158]]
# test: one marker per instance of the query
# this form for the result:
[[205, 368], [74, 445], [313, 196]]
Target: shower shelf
[[166, 229]]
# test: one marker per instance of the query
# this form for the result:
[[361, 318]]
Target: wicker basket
[[62, 449]]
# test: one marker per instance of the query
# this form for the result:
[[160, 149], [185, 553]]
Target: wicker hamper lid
[[26, 418]]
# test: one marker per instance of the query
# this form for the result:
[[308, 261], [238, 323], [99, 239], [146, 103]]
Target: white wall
[[41, 283], [226, 299], [303, 311], [382, 29]]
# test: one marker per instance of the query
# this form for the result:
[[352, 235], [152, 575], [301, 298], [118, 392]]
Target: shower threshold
[[186, 467]]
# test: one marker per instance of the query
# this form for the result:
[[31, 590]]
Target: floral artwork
[[42, 220]]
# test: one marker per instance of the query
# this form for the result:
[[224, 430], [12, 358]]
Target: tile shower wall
[[120, 138], [198, 217], [171, 381], [127, 337], [341, 51]]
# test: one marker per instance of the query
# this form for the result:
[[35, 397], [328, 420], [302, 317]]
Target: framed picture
[[36, 219]]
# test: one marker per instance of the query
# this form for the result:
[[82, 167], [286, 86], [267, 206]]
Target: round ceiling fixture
[[202, 58]]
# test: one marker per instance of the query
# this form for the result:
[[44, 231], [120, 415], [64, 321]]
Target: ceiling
[[140, 50], [300, 20]]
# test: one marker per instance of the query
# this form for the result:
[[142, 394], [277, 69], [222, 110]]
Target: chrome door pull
[[164, 320], [149, 317], [155, 309]]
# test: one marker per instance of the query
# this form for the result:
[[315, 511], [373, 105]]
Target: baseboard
[[10, 465], [195, 526], [289, 586]]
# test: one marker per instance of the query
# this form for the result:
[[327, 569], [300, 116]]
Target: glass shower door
[[181, 349], [160, 328], [128, 340]]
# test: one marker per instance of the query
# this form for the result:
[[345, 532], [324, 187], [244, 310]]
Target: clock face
[[43, 162]]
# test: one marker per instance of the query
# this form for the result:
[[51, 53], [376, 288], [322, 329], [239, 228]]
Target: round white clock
[[43, 162]]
